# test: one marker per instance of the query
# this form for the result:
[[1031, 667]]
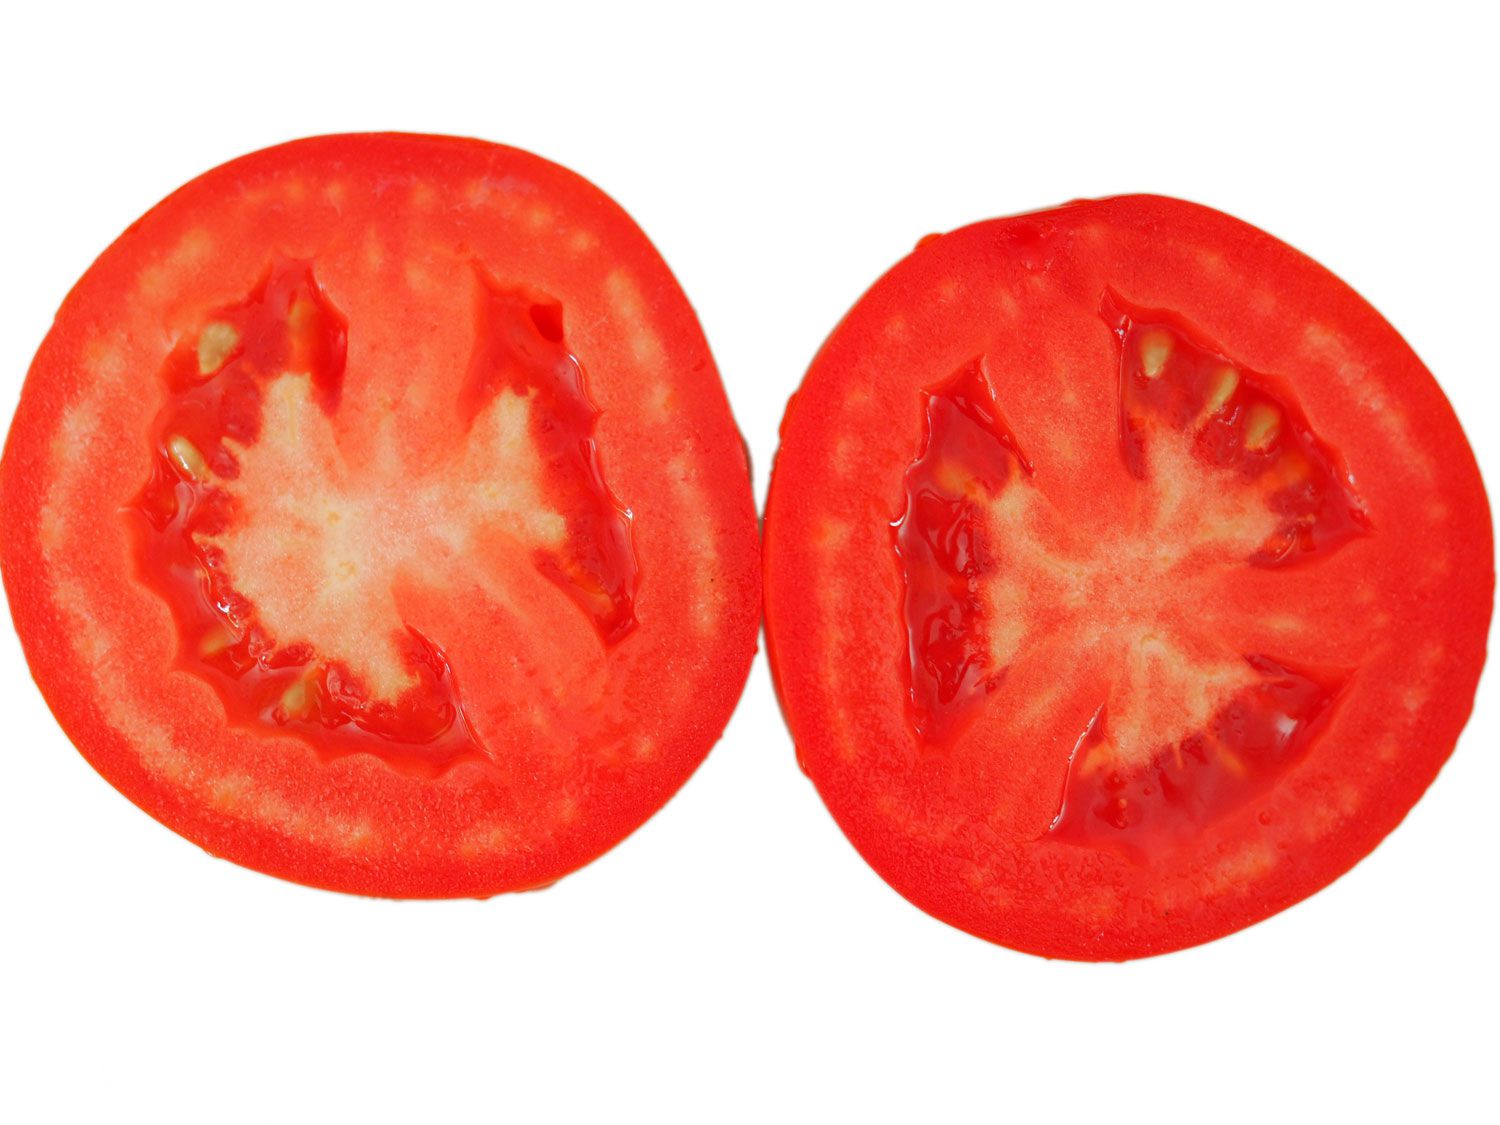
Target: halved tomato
[[374, 517], [1127, 577]]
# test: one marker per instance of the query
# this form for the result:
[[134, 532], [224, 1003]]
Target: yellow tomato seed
[[1156, 349], [216, 343], [1262, 424], [1225, 383], [186, 457]]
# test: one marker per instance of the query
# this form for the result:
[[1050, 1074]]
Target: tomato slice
[[374, 517], [1127, 577]]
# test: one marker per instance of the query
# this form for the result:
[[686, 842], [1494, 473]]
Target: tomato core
[[972, 504], [218, 392]]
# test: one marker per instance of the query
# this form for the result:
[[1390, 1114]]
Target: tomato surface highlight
[[1127, 577], [374, 517]]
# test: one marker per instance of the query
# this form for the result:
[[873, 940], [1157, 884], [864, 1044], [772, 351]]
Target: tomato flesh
[[1127, 577], [356, 504]]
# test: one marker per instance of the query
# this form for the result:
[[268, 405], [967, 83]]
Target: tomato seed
[[294, 699], [1262, 425], [186, 457], [215, 641], [1225, 383], [1156, 349], [216, 343]]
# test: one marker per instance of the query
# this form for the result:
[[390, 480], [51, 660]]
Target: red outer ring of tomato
[[1028, 289], [101, 647]]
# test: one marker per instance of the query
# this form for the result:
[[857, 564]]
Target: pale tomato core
[[279, 559], [1233, 477]]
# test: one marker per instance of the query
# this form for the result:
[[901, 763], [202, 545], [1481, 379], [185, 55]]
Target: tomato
[[1127, 577], [374, 517]]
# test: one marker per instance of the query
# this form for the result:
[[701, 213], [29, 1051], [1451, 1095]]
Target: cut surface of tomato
[[1127, 577], [374, 517]]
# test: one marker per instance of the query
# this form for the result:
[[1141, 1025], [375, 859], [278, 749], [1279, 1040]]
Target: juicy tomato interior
[[950, 552], [1240, 421], [189, 545], [968, 455], [408, 476], [1143, 654]]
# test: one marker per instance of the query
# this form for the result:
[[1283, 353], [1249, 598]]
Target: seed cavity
[[1262, 425], [216, 343], [1156, 349], [185, 456]]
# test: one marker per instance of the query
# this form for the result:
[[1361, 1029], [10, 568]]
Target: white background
[[735, 960]]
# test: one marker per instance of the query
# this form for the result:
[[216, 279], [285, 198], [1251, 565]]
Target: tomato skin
[[395, 225], [965, 833]]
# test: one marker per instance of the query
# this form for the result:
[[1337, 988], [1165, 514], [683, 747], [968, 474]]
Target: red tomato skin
[[353, 824], [840, 688]]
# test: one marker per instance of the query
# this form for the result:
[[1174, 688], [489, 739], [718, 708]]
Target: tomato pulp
[[1127, 577], [374, 517]]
